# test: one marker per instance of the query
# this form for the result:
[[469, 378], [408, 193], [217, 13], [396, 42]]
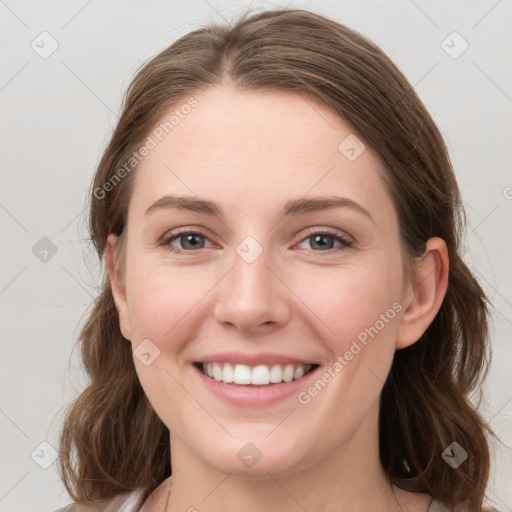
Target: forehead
[[253, 149]]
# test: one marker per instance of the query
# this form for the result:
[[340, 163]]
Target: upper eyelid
[[328, 231]]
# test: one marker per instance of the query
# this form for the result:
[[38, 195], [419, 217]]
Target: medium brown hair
[[112, 441]]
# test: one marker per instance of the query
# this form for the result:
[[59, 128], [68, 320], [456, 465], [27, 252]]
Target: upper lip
[[254, 359]]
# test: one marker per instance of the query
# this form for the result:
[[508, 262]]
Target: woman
[[285, 319]]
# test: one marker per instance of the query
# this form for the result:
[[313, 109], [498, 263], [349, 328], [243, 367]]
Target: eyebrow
[[292, 207]]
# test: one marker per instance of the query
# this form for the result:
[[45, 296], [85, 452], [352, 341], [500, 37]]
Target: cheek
[[162, 303], [161, 298], [353, 302]]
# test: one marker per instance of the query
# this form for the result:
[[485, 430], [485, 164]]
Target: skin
[[250, 152]]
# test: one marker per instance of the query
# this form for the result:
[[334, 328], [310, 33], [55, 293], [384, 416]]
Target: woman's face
[[271, 283]]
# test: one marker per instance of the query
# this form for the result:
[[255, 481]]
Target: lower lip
[[255, 395]]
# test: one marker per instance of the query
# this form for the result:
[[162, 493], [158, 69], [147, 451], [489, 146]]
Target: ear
[[424, 294], [117, 283]]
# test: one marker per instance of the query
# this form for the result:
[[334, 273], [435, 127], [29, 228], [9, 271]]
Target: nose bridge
[[251, 295]]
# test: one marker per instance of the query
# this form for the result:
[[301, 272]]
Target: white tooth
[[209, 370], [288, 373], [227, 373], [217, 371], [299, 372], [242, 374], [276, 374], [260, 375]]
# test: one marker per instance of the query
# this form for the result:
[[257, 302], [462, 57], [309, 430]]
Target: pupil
[[189, 239], [318, 238]]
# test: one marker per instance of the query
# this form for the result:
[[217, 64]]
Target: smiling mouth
[[261, 375]]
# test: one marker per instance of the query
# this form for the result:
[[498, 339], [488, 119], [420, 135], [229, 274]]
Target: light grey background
[[58, 113]]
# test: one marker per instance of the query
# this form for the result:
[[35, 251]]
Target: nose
[[253, 297]]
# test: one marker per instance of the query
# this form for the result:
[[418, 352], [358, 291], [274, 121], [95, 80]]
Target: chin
[[255, 455]]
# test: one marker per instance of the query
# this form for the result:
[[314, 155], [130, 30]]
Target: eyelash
[[345, 242]]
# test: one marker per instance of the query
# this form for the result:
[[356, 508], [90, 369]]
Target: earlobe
[[425, 294], [117, 285]]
